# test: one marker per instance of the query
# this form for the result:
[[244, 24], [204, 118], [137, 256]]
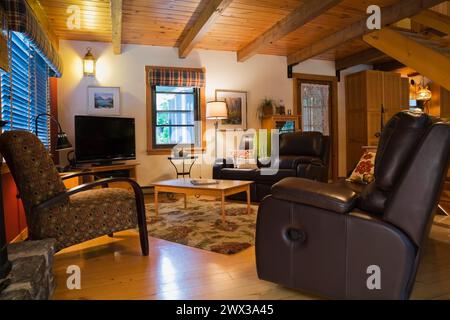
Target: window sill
[[156, 152]]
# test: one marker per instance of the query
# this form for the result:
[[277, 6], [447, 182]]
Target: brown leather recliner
[[334, 240]]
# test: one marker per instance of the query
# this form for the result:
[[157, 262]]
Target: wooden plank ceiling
[[166, 23]]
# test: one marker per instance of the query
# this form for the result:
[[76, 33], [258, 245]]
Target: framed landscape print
[[237, 109], [104, 101]]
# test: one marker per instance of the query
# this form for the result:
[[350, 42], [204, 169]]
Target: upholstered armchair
[[70, 216], [336, 240]]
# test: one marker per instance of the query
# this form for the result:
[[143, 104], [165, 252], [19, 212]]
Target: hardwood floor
[[113, 268]]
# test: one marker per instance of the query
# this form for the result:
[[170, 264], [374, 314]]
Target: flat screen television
[[104, 139]]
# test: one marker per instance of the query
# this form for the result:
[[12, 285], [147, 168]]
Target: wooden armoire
[[365, 94]]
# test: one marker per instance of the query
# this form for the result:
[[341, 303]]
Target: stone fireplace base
[[31, 276]]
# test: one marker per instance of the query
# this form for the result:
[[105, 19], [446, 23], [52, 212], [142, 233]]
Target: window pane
[[167, 101], [315, 114], [174, 118], [175, 89], [174, 135]]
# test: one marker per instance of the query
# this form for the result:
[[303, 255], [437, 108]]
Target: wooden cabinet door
[[392, 94], [356, 116]]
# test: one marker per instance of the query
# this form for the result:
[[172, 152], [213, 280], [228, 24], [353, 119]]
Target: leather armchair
[[70, 216], [327, 238], [301, 154]]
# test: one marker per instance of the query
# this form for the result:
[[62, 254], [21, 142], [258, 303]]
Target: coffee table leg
[[223, 207], [185, 202], [248, 200], [156, 201]]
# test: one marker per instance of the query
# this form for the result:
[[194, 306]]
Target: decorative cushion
[[364, 171], [87, 215], [244, 159]]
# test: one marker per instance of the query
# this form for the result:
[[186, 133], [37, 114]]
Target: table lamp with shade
[[216, 110]]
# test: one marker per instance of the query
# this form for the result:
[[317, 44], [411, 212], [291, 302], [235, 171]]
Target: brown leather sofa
[[329, 239], [301, 154]]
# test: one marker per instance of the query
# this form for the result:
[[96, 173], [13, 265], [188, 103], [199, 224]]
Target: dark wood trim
[[334, 128], [363, 57]]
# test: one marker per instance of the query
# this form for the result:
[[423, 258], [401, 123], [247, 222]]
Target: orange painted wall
[[14, 213]]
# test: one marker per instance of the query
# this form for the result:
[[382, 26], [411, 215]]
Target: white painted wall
[[261, 76]]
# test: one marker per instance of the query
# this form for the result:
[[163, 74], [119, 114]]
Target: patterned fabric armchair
[[70, 216]]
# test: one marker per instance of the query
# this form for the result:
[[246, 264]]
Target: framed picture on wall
[[237, 109], [104, 101]]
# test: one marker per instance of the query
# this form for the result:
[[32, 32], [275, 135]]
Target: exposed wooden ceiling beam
[[363, 57], [433, 20], [202, 25], [428, 61], [307, 11], [116, 20], [400, 10], [388, 66]]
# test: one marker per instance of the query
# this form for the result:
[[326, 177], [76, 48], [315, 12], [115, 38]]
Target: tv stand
[[107, 164], [125, 170]]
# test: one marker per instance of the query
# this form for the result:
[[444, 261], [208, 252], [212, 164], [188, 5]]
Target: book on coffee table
[[203, 182]]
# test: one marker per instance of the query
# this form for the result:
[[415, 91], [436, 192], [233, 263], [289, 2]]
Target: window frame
[[151, 119], [196, 95]]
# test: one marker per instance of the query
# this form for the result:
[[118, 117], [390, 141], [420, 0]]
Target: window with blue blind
[[25, 89]]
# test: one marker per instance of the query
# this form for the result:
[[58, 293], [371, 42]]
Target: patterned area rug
[[201, 226]]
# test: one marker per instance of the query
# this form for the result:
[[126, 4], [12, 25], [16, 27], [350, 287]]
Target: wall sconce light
[[89, 64]]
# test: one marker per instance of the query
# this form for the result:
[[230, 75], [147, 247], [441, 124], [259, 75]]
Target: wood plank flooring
[[113, 268]]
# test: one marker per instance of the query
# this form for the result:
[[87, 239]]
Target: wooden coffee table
[[222, 189]]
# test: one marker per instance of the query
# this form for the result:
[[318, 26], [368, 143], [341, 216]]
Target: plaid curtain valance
[[176, 77], [21, 19]]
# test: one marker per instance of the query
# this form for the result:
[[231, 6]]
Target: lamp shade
[[216, 110], [424, 94]]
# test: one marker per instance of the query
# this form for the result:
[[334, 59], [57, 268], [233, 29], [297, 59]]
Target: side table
[[186, 167]]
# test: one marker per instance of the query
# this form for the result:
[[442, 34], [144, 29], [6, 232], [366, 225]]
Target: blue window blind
[[25, 89]]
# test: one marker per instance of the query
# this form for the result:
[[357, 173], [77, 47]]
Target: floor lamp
[[216, 110]]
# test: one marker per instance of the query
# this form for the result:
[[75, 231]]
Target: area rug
[[201, 226]]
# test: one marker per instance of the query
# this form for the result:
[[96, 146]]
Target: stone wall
[[31, 277]]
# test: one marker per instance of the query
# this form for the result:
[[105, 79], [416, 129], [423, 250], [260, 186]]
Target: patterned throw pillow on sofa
[[244, 159], [364, 171]]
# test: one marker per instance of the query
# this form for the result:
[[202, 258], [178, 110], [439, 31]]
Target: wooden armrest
[[79, 174], [88, 186]]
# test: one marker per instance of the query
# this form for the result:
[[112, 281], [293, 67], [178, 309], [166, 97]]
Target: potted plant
[[265, 108]]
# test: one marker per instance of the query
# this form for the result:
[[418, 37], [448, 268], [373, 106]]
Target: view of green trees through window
[[174, 114]]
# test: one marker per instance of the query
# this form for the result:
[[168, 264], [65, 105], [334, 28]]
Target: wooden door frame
[[333, 82]]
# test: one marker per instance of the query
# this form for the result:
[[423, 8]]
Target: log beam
[[426, 60], [202, 25], [116, 20], [401, 10], [307, 11]]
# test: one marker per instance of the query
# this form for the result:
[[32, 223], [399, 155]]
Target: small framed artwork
[[104, 101], [237, 109]]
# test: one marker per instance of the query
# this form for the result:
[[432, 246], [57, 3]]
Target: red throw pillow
[[364, 171]]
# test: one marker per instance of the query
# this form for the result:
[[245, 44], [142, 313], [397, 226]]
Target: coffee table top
[[186, 183]]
